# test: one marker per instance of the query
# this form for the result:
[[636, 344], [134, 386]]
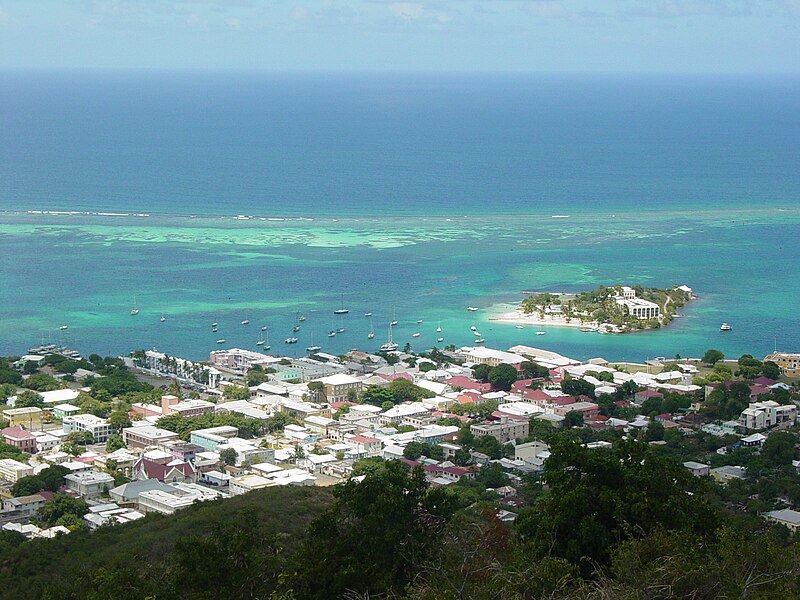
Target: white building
[[636, 307], [99, 428], [13, 470], [488, 356], [761, 415], [89, 483]]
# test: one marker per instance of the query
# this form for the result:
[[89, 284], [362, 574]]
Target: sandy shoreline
[[517, 317]]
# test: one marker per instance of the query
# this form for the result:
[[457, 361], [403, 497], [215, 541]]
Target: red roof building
[[19, 438]]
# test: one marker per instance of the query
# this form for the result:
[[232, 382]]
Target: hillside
[[63, 567]]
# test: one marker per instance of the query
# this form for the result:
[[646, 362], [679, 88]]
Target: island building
[[636, 307], [788, 362]]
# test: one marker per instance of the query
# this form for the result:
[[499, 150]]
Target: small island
[[615, 309]]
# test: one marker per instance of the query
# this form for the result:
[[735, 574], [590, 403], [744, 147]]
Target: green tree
[[770, 370], [503, 376], [779, 448], [577, 387], [228, 456], [58, 506], [712, 357], [532, 370], [573, 418], [374, 536], [9, 375], [119, 420], [654, 431], [377, 395], [599, 497], [114, 442], [481, 372], [29, 398], [237, 392]]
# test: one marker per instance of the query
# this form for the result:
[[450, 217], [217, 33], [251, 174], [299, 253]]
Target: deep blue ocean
[[415, 195]]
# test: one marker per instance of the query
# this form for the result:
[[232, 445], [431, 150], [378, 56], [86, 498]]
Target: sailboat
[[313, 347], [134, 310], [266, 345], [260, 341], [367, 314], [343, 310], [341, 326], [246, 322], [439, 328], [371, 333], [163, 318], [441, 339], [301, 318], [389, 346], [393, 322]]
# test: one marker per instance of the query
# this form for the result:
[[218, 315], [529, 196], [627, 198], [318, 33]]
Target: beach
[[518, 317]]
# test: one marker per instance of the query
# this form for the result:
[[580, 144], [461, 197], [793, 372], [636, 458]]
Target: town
[[96, 441]]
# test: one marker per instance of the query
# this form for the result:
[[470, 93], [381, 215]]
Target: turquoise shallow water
[[86, 271], [419, 195]]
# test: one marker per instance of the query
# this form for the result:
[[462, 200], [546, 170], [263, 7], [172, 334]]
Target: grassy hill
[[145, 550]]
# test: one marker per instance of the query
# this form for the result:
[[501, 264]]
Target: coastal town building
[[13, 470], [144, 436], [27, 416], [788, 362], [99, 428], [761, 415], [505, 430], [636, 307], [19, 438]]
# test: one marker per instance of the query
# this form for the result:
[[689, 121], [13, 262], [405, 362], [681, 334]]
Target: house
[[13, 470], [65, 410], [339, 387], [369, 445], [247, 483], [212, 437], [144, 436], [171, 405], [99, 428], [761, 415], [29, 416], [173, 472], [19, 438], [697, 469], [728, 472], [128, 493], [25, 505], [178, 496], [757, 439], [89, 483], [397, 413], [786, 516], [506, 430], [642, 395]]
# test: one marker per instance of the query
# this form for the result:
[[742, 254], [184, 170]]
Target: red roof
[[338, 405], [17, 433], [155, 470], [467, 383], [764, 381], [564, 400], [649, 394], [394, 376], [362, 439], [535, 395]]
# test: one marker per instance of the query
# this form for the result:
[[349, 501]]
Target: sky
[[653, 36]]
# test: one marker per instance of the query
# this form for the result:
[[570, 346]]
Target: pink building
[[19, 438]]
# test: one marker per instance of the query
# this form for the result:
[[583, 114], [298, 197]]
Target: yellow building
[[789, 362], [28, 416]]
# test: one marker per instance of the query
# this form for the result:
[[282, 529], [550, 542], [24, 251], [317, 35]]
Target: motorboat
[[725, 327], [222, 341], [290, 340], [471, 309], [540, 332], [246, 322]]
